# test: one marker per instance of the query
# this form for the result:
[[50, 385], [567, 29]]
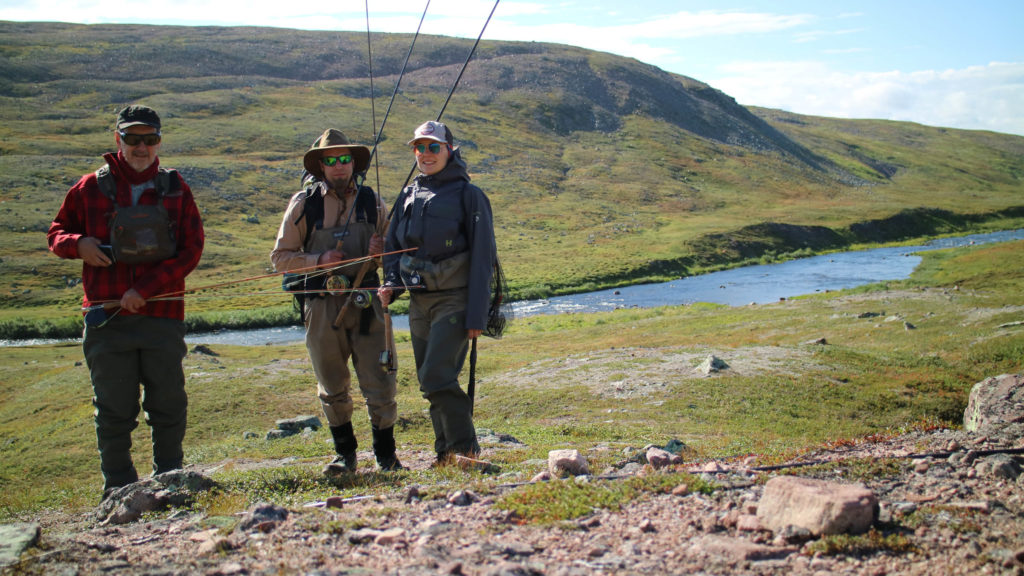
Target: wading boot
[[384, 449], [345, 445]]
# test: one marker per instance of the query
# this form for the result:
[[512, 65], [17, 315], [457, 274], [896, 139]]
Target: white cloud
[[989, 97], [634, 36], [984, 97], [710, 23]]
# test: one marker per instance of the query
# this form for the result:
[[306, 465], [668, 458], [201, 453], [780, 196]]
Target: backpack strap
[[313, 208], [312, 211], [366, 205], [166, 182], [105, 180]]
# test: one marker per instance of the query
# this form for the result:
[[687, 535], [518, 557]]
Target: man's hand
[[89, 251], [376, 245], [329, 258], [132, 301], [473, 333]]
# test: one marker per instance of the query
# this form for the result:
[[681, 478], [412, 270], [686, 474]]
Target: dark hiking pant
[[127, 353], [438, 331]]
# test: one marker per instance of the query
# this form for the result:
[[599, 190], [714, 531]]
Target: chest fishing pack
[[142, 233], [307, 285]]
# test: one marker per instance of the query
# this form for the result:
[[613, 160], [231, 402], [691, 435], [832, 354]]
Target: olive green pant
[[439, 343], [329, 350], [126, 352]]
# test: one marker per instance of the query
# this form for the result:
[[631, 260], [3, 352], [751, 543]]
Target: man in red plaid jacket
[[134, 311]]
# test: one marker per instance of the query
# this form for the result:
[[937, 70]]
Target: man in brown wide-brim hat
[[335, 142], [332, 220]]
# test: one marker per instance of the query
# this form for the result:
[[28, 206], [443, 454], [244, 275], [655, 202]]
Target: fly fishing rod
[[458, 78]]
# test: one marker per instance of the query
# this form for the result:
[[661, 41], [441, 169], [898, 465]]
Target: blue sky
[[937, 62]]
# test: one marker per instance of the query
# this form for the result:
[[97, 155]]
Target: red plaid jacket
[[86, 211]]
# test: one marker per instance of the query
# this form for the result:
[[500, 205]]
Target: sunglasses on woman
[[434, 147], [332, 160], [134, 139]]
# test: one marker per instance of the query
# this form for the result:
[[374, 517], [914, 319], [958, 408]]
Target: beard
[[339, 184]]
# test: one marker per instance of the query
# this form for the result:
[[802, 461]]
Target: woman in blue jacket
[[448, 220]]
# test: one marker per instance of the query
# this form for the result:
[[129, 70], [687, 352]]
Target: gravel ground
[[958, 510]]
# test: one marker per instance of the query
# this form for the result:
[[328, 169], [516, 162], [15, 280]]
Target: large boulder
[[818, 506], [996, 406], [128, 503], [15, 539]]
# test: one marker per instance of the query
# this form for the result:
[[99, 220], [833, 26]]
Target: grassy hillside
[[593, 382], [602, 170]]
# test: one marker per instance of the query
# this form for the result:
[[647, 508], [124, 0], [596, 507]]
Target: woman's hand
[[384, 294]]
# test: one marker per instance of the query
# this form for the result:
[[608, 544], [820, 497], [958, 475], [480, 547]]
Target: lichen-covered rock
[[996, 405]]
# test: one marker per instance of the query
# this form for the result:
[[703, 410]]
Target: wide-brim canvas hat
[[333, 139]]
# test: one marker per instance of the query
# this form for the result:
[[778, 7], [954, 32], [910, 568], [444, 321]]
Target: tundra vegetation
[[602, 171], [600, 383]]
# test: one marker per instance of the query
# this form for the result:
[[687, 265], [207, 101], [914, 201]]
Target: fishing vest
[[141, 233], [439, 228]]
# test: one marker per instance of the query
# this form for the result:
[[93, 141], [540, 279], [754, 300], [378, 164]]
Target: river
[[758, 284]]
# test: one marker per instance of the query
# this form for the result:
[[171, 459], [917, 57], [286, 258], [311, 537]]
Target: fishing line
[[458, 79], [401, 75], [319, 270], [373, 93]]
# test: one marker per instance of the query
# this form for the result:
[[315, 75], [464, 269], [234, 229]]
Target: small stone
[[390, 536], [298, 423], [363, 535], [214, 545], [463, 498], [543, 476], [748, 523], [230, 568], [597, 551], [278, 434], [412, 495], [567, 463]]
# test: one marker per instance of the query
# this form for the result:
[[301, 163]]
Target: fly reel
[[337, 283], [362, 299]]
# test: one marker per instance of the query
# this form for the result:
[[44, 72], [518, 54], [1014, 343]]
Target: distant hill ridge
[[584, 94], [602, 170]]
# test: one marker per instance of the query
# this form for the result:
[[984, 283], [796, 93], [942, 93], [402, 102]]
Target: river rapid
[[758, 284]]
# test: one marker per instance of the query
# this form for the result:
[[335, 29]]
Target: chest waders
[[332, 344], [353, 238], [351, 241]]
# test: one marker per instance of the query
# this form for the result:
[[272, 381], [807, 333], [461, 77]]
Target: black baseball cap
[[136, 115]]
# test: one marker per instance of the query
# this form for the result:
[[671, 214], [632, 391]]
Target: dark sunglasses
[[434, 147], [332, 160], [135, 139]]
